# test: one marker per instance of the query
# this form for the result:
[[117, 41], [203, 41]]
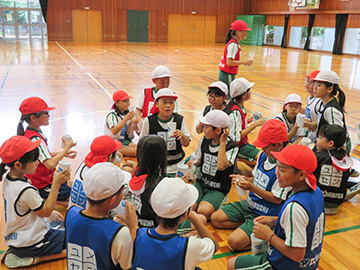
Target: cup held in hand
[[63, 165]]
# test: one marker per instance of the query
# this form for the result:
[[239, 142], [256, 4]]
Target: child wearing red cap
[[313, 103], [291, 109], [230, 60], [36, 113], [29, 239], [265, 196], [120, 123], [164, 121], [103, 149], [333, 167], [296, 241], [161, 78]]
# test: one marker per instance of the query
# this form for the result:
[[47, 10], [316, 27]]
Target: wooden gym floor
[[79, 79]]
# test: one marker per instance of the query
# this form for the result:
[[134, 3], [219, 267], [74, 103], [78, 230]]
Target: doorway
[[138, 25], [87, 25]]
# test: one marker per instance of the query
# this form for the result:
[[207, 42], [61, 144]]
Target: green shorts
[[250, 261], [214, 197], [240, 212], [125, 142], [184, 227], [226, 78], [248, 151]]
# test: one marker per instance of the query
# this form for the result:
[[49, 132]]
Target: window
[[322, 39], [273, 34], [352, 41], [22, 19], [298, 36]]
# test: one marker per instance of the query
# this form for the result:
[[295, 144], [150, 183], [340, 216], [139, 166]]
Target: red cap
[[239, 25], [302, 158], [101, 148], [313, 74], [273, 131], [15, 147], [33, 105], [120, 95]]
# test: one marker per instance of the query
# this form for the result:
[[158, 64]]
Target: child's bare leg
[[128, 151], [239, 240], [220, 220], [206, 209]]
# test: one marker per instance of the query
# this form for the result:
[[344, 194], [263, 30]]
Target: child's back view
[[160, 248]]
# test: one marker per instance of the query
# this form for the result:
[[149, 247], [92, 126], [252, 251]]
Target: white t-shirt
[[232, 50], [121, 249], [236, 125], [198, 251], [294, 221], [44, 152]]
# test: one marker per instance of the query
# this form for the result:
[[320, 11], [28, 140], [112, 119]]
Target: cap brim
[[127, 176], [260, 144], [251, 84], [118, 145], [33, 146], [203, 121], [167, 96], [194, 193], [162, 76], [49, 109], [278, 156], [124, 98]]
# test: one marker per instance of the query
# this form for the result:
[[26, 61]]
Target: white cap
[[327, 76], [103, 180], [222, 86], [216, 118], [165, 92], [161, 72], [293, 98], [239, 86], [172, 197]]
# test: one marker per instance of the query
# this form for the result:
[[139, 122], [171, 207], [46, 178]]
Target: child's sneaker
[[353, 191], [354, 173], [12, 261]]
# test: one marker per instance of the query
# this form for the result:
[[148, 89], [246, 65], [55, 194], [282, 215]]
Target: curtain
[[310, 26], [286, 24], [341, 20], [44, 4]]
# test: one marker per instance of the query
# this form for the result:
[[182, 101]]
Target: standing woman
[[230, 61]]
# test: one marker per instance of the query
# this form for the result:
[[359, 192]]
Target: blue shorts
[[63, 195], [53, 243]]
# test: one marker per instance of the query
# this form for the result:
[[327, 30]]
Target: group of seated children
[[288, 185]]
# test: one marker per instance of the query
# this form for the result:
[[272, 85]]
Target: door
[[138, 25], [87, 25]]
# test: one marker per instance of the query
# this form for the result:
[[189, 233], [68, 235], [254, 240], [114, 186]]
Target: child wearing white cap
[[216, 95], [216, 155], [291, 109], [161, 78], [239, 128], [160, 248], [332, 110], [170, 126], [105, 242]]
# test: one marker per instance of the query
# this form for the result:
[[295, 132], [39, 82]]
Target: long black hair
[[335, 133], [27, 118], [230, 35], [28, 157], [151, 154], [337, 92]]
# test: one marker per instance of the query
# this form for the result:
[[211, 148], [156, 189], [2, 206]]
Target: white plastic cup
[[257, 115], [171, 128], [257, 245], [182, 169], [121, 208], [132, 108], [66, 137], [241, 192], [251, 55], [300, 119], [118, 159], [306, 141], [63, 165]]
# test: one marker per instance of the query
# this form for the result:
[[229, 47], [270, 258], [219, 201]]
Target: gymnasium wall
[[325, 15], [114, 15]]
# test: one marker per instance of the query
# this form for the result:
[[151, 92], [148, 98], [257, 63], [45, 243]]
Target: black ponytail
[[2, 170], [338, 93], [27, 118], [20, 128], [230, 35]]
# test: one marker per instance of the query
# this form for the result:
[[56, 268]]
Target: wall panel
[[115, 25], [354, 21], [275, 20]]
